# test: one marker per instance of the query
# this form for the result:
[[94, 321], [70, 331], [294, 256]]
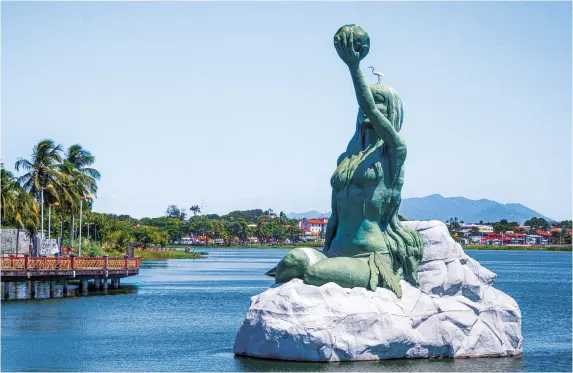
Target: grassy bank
[[161, 255], [532, 248]]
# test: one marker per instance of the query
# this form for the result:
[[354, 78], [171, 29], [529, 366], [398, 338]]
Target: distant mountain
[[313, 214], [437, 207]]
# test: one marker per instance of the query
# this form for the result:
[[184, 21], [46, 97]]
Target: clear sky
[[247, 105]]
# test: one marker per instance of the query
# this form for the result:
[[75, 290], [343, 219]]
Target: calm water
[[183, 316]]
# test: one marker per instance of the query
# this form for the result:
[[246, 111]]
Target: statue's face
[[382, 102]]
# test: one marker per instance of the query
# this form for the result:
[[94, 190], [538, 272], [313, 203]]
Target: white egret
[[378, 74]]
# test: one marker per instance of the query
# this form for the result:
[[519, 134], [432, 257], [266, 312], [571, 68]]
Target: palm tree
[[43, 173], [9, 194], [81, 160], [195, 209], [42, 168], [81, 180], [26, 214]]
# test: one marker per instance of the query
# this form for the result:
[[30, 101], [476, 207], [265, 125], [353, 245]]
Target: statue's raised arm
[[352, 45]]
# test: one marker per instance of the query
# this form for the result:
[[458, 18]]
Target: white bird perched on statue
[[379, 75]]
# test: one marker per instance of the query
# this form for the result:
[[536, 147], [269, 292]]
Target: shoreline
[[467, 247]]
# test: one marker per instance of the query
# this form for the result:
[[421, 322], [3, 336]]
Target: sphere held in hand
[[361, 38]]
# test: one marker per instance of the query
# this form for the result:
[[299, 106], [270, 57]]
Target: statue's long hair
[[404, 245], [355, 153]]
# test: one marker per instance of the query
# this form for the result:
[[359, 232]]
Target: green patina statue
[[365, 244]]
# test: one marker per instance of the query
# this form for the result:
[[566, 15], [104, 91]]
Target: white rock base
[[455, 312]]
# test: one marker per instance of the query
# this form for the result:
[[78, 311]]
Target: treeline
[[236, 227]]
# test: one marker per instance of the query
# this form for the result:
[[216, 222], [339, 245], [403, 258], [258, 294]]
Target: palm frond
[[23, 164]]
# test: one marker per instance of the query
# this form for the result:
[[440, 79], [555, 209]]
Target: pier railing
[[26, 263]]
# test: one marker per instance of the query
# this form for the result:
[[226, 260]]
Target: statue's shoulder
[[340, 159]]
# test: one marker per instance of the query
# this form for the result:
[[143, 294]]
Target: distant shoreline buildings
[[485, 235]]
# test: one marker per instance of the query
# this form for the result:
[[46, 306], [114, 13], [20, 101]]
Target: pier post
[[29, 289], [118, 282], [97, 283], [84, 287], [34, 289], [17, 289], [105, 285], [52, 289], [6, 290], [65, 289]]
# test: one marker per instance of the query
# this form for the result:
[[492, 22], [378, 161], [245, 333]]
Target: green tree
[[294, 233], [250, 216], [121, 234], [145, 236], [238, 229], [175, 212], [195, 209], [503, 226], [220, 230], [203, 227], [278, 230], [263, 231], [538, 223]]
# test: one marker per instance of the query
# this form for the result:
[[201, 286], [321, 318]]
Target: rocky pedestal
[[456, 312]]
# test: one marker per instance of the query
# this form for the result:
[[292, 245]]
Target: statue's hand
[[344, 44]]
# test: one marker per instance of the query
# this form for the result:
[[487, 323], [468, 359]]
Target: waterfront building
[[313, 225]]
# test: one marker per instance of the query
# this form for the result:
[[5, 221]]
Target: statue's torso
[[365, 207]]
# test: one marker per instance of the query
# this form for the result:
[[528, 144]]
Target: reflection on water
[[183, 315], [22, 290], [400, 365]]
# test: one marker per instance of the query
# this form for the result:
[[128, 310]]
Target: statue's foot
[[295, 264]]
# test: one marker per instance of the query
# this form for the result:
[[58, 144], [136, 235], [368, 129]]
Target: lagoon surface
[[182, 315]]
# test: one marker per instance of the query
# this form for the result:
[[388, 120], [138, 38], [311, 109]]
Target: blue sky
[[247, 105]]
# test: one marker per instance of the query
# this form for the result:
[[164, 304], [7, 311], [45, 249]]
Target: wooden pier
[[101, 270]]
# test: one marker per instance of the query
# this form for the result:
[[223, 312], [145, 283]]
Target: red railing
[[67, 263]]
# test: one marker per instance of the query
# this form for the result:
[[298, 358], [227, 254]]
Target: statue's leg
[[344, 271]]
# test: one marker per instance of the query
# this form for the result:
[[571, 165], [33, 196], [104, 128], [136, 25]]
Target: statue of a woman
[[365, 244]]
